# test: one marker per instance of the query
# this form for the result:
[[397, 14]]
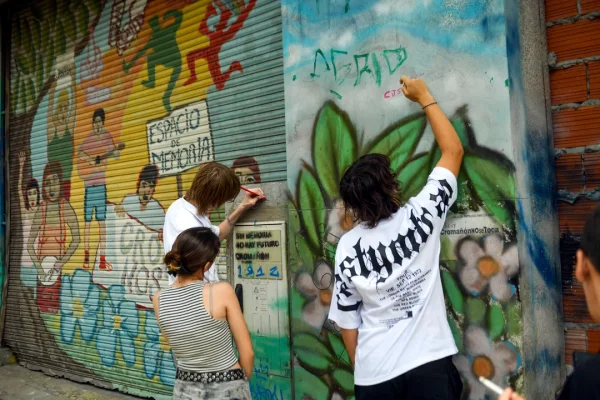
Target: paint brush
[[253, 193], [491, 386]]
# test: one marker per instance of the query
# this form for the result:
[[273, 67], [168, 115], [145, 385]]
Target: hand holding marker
[[491, 386], [507, 394], [263, 197]]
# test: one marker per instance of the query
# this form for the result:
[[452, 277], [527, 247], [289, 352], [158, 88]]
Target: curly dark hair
[[370, 190]]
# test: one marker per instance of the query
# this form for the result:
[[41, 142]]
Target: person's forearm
[[247, 363], [226, 226], [444, 132], [350, 337]]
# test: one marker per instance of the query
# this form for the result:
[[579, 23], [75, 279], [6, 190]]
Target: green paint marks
[[294, 78], [496, 321], [377, 69], [453, 292], [347, 66], [369, 63], [339, 96], [476, 310], [272, 368], [506, 83], [399, 56], [319, 52], [492, 80], [347, 7], [364, 69]]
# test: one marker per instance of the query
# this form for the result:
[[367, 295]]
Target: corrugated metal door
[[113, 106]]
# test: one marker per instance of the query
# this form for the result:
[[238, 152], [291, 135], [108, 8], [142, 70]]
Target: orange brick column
[[573, 29]]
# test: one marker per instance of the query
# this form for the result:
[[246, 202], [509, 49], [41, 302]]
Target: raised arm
[[445, 134], [50, 124], [249, 201], [238, 327], [35, 229], [22, 198], [73, 111]]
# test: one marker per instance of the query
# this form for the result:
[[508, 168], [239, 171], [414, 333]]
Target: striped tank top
[[199, 342]]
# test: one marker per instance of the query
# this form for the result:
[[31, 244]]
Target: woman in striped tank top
[[198, 319]]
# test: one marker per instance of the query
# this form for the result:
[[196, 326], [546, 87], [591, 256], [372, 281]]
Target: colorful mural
[[114, 106], [347, 58]]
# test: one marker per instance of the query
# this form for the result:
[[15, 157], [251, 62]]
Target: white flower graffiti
[[317, 289], [491, 263], [338, 222], [494, 361]]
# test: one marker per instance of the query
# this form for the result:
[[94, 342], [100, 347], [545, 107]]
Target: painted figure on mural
[[52, 218], [223, 32], [61, 127], [247, 170], [29, 201], [142, 205], [126, 20], [92, 162], [163, 50]]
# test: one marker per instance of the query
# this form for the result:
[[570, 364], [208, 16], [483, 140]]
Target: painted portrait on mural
[[142, 205], [247, 170], [348, 57]]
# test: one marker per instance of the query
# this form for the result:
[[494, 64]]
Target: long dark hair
[[192, 250], [370, 190], [31, 184]]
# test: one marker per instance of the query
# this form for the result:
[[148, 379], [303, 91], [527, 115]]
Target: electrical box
[[260, 279]]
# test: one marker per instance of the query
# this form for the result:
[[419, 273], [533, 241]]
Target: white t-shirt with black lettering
[[388, 286]]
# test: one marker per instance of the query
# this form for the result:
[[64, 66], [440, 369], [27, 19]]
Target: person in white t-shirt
[[213, 185], [388, 298]]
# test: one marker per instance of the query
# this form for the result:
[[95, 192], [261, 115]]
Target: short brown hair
[[370, 189], [213, 185], [192, 250]]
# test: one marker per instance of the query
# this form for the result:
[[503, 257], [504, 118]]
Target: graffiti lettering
[[184, 157], [364, 63], [180, 141], [261, 389]]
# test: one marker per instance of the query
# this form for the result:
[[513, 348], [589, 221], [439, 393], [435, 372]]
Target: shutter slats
[[246, 118]]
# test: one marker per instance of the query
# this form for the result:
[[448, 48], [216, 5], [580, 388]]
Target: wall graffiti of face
[[62, 112], [32, 197], [145, 192], [98, 125], [52, 187], [245, 175]]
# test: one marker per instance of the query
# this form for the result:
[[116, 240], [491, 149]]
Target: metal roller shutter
[[179, 83]]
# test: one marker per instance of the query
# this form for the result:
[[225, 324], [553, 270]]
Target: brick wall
[[573, 29]]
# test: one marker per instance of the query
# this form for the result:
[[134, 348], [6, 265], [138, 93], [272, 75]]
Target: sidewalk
[[19, 383]]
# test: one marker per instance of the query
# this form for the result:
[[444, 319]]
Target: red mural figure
[[221, 34]]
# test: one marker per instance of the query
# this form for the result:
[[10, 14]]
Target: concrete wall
[[342, 65]]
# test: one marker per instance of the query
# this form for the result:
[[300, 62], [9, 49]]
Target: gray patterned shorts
[[237, 389]]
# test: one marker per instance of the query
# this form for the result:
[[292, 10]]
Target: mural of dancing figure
[[52, 218], [162, 50]]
